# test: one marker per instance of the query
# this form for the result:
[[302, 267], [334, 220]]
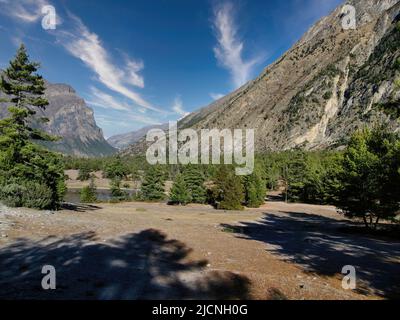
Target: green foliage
[[194, 179], [21, 160], [84, 173], [227, 193], [327, 95], [116, 169], [371, 176], [180, 193], [88, 193], [153, 185], [397, 63], [28, 194], [255, 189], [116, 192], [390, 108]]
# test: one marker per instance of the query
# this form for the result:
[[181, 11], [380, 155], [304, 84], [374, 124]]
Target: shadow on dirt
[[79, 207], [144, 265], [316, 243]]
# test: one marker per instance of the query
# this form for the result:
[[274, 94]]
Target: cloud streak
[[178, 107], [87, 46], [103, 100], [229, 50]]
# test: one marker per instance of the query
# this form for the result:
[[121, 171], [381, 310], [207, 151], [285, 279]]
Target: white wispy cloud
[[26, 11], [87, 46], [216, 96], [178, 107], [229, 50], [103, 100]]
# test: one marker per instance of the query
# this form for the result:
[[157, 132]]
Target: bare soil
[[152, 251]]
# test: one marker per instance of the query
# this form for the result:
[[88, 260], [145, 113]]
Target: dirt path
[[137, 250]]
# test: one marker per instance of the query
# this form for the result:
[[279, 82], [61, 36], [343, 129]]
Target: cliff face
[[330, 83], [71, 120]]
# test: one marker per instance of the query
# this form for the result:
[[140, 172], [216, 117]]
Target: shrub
[[88, 193], [327, 95], [116, 192], [12, 194], [84, 173], [26, 194]]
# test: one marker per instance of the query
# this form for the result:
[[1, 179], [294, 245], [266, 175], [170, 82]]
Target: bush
[[88, 193], [12, 194], [37, 196], [26, 194], [327, 95], [116, 192], [84, 173]]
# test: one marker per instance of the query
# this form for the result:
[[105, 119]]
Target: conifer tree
[[194, 180], [180, 193], [228, 193], [255, 189], [153, 185], [371, 176], [22, 160]]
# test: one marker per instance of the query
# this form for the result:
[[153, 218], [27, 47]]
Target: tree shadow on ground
[[144, 265], [316, 243], [79, 207]]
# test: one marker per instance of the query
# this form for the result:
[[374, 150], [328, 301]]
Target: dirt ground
[[153, 251]]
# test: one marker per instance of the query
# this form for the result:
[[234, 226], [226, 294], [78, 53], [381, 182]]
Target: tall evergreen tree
[[194, 180], [21, 160], [255, 189], [228, 193], [153, 185], [180, 193], [371, 176]]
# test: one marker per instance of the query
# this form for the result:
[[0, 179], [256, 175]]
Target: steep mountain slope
[[122, 141], [71, 120], [330, 83]]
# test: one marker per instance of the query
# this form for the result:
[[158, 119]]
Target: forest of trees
[[362, 180]]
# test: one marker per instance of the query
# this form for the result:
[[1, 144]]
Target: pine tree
[[255, 189], [22, 160], [153, 185], [228, 193], [194, 180], [371, 176], [116, 192], [180, 193]]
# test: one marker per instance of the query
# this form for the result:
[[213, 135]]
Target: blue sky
[[138, 63]]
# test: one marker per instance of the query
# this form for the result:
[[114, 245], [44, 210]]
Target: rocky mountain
[[122, 141], [331, 82], [71, 120]]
